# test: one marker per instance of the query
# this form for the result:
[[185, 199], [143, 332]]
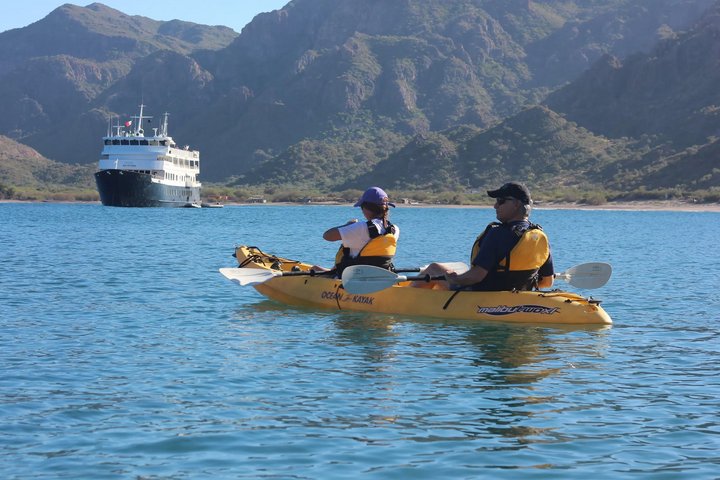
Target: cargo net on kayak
[[255, 255]]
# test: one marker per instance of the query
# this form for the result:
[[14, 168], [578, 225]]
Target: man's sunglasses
[[502, 200]]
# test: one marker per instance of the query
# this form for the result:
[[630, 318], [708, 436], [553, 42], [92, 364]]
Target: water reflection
[[433, 380]]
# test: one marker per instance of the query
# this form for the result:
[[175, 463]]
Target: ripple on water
[[124, 353]]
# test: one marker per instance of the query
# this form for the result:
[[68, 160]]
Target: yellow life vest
[[379, 251], [521, 264]]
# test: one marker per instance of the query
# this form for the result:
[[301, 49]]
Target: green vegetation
[[48, 193], [580, 196], [225, 193]]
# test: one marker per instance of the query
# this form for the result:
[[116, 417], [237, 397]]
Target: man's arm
[[546, 282], [471, 277], [546, 275]]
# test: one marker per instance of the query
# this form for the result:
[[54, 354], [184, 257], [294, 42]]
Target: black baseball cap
[[514, 190]]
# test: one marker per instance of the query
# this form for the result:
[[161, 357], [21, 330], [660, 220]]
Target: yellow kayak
[[291, 282]]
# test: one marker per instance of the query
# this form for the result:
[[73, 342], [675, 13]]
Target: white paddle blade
[[587, 275], [360, 279], [249, 276]]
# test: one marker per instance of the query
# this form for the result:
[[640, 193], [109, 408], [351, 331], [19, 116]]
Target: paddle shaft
[[255, 276], [367, 279]]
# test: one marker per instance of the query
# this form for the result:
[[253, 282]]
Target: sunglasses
[[502, 200]]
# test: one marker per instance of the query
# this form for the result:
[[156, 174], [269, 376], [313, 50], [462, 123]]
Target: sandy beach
[[667, 205]]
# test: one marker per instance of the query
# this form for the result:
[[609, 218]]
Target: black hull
[[122, 188]]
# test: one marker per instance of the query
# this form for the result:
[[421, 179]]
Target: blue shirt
[[496, 245]]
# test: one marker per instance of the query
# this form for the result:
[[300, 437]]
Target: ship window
[[163, 142], [143, 142], [107, 142], [134, 142], [105, 157], [116, 142], [124, 142]]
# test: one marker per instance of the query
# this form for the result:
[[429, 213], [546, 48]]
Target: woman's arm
[[333, 234]]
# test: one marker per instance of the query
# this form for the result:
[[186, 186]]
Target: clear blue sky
[[231, 13]]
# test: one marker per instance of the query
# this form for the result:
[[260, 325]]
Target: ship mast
[[164, 128], [139, 132]]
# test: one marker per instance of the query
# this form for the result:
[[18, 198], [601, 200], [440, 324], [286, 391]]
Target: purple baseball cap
[[374, 195]]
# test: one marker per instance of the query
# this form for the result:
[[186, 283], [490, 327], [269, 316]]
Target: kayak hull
[[550, 307]]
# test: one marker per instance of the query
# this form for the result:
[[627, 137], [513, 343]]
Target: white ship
[[139, 171]]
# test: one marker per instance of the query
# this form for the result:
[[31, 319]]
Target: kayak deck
[[551, 307]]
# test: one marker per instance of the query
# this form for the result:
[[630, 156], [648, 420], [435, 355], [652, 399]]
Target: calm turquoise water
[[124, 354]]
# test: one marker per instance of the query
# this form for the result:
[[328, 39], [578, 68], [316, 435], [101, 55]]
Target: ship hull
[[122, 188]]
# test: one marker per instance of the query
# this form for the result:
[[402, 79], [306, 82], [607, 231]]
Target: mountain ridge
[[337, 93]]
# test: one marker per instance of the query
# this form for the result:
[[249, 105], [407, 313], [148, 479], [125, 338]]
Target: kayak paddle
[[360, 279], [587, 275], [367, 279], [254, 276]]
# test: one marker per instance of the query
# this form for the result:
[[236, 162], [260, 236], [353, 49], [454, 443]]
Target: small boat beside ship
[[136, 170]]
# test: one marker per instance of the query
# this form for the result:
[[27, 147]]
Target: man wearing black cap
[[513, 254]]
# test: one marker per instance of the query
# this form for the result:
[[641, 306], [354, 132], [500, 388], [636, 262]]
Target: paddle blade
[[361, 279], [587, 275], [248, 276]]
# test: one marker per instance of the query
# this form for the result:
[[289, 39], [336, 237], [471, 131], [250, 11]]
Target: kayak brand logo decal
[[330, 295], [506, 310], [340, 297]]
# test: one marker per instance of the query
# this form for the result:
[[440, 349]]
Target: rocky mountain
[[648, 121], [27, 168], [670, 92], [52, 71], [428, 94], [633, 27], [537, 145], [667, 98]]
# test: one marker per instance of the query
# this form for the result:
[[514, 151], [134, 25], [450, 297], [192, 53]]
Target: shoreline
[[642, 205], [660, 205]]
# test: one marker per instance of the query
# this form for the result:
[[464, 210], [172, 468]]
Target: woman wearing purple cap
[[372, 242]]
